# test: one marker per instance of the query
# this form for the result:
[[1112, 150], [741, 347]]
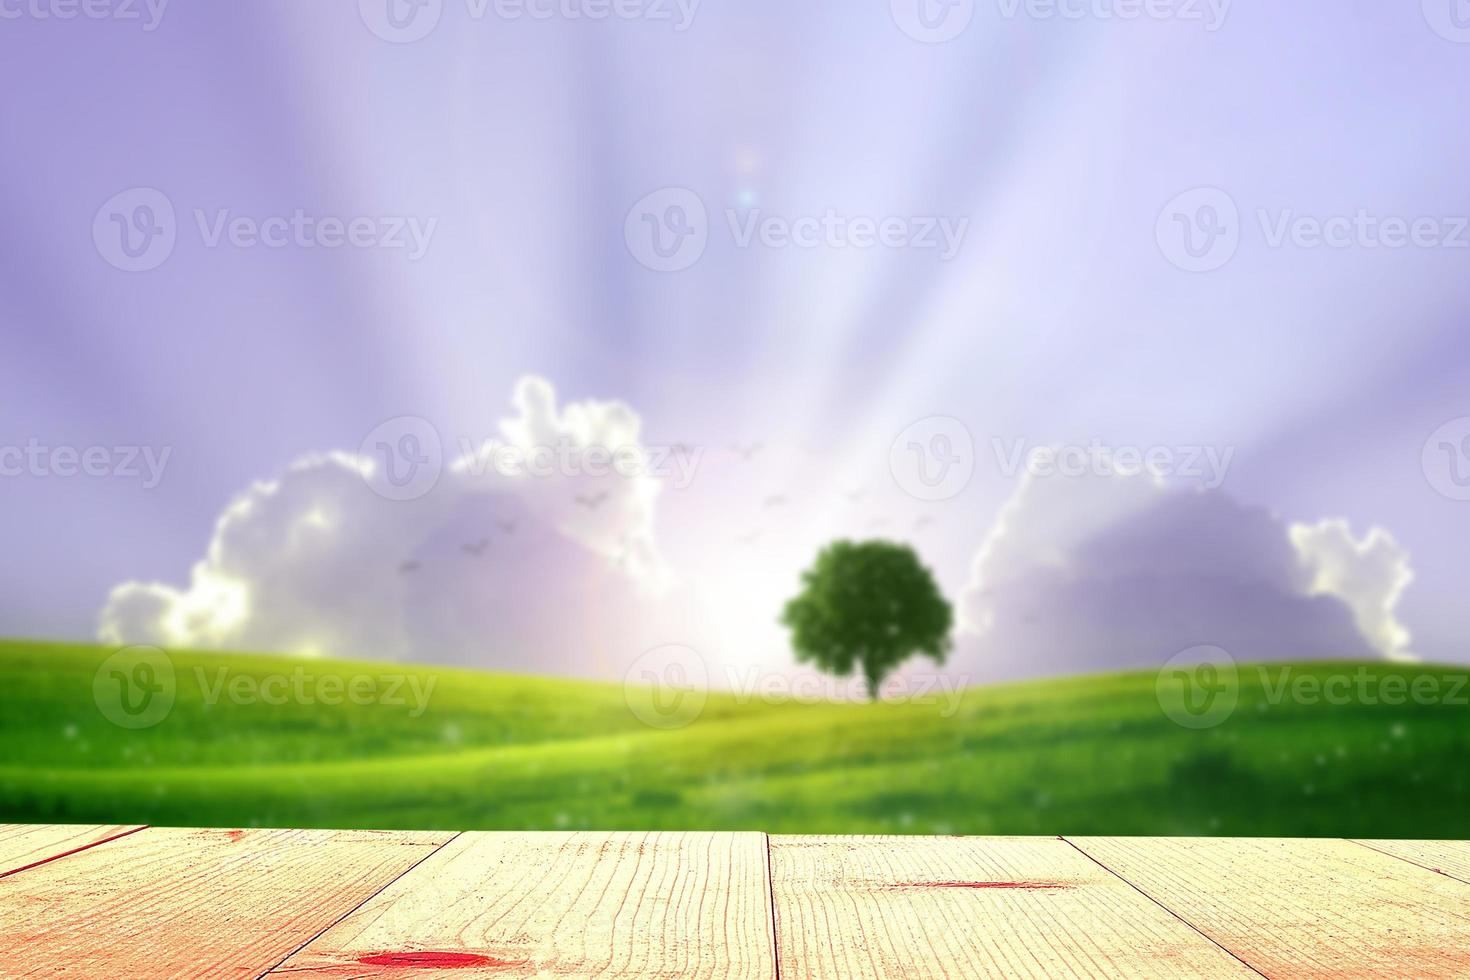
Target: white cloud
[[1103, 572], [495, 566], [1369, 575]]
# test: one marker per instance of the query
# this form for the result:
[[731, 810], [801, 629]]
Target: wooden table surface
[[100, 901]]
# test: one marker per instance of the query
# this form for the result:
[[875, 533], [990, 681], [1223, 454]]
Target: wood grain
[[121, 902], [859, 907], [193, 903], [564, 905], [24, 846], [1304, 908], [1449, 857]]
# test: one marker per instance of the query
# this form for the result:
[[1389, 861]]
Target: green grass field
[[1090, 755]]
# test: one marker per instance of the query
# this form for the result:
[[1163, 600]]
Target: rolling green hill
[[1088, 755]]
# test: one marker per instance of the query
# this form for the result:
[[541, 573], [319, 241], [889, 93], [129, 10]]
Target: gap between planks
[[1161, 905], [105, 836], [1324, 907], [406, 871]]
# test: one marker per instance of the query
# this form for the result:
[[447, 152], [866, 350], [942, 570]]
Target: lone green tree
[[868, 606]]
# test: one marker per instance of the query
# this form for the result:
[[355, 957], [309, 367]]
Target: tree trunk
[[875, 682]]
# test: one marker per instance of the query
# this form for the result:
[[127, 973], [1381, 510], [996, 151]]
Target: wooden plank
[[192, 903], [859, 907], [1448, 857], [24, 846], [564, 904], [1304, 908]]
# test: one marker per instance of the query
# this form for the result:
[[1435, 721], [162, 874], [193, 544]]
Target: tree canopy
[[868, 606]]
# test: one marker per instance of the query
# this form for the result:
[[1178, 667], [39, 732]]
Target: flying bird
[[592, 501], [409, 566], [509, 527], [853, 496], [923, 522], [476, 548], [750, 537], [776, 500], [747, 452]]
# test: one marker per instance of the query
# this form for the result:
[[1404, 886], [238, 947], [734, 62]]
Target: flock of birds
[[475, 549], [745, 451], [748, 452]]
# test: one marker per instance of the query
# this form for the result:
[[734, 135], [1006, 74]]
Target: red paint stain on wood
[[430, 960], [1026, 885], [235, 834]]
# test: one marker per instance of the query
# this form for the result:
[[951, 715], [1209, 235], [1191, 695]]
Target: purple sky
[[1063, 316]]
